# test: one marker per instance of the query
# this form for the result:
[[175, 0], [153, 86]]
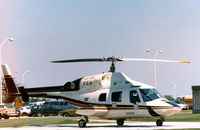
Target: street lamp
[[174, 86], [1, 46], [154, 57], [26, 72]]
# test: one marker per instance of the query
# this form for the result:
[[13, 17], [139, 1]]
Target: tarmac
[[113, 126]]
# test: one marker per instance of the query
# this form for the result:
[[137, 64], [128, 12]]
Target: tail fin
[[12, 90]]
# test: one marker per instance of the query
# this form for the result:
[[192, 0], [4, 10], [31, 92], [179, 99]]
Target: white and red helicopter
[[111, 95]]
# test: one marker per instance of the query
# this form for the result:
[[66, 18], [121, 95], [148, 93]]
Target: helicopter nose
[[173, 109]]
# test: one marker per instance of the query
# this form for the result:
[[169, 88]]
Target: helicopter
[[112, 95]]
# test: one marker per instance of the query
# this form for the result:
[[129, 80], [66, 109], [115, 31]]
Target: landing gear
[[160, 121], [120, 122], [82, 122]]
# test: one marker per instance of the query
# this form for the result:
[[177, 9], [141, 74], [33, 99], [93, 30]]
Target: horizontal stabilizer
[[24, 93]]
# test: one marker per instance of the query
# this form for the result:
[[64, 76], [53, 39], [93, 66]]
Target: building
[[196, 99]]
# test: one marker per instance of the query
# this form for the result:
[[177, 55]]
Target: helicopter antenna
[[114, 59]]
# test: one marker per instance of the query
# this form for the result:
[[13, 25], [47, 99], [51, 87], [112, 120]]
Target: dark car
[[50, 108], [68, 113]]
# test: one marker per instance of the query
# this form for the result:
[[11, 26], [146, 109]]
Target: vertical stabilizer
[[12, 90]]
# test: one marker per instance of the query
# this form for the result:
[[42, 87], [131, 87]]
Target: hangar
[[196, 99]]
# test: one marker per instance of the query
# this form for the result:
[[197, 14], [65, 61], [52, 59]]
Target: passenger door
[[134, 98]]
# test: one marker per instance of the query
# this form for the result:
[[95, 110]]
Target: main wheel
[[82, 123], [159, 122], [120, 122]]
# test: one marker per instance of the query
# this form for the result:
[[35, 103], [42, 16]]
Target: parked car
[[7, 111], [68, 113], [25, 110], [50, 108], [187, 99], [182, 104]]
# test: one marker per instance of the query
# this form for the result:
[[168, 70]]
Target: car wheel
[[24, 114], [39, 114], [6, 117], [66, 114]]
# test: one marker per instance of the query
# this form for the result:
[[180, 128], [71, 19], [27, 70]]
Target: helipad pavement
[[110, 126]]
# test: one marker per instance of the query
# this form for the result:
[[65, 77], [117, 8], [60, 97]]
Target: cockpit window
[[158, 93], [150, 94]]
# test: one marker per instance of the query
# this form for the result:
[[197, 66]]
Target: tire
[[66, 114], [120, 122], [6, 117], [82, 123], [24, 114], [39, 114], [159, 122], [1, 116]]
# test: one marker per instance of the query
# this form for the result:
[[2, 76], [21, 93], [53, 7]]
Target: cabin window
[[102, 97], [54, 103], [86, 99], [90, 83], [65, 103], [117, 96], [134, 97]]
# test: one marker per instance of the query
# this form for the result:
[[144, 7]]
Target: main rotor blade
[[80, 60], [152, 60]]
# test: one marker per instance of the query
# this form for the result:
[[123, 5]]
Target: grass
[[184, 116], [35, 122]]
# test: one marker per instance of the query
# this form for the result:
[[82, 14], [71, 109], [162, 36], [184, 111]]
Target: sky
[[46, 30]]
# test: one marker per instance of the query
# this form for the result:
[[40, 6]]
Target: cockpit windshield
[[150, 94]]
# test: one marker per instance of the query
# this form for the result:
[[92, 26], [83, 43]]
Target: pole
[[155, 71], [175, 89], [23, 76]]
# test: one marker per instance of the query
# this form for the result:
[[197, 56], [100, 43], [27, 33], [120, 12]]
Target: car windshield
[[150, 94], [10, 106]]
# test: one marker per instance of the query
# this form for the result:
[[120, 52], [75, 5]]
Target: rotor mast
[[112, 67]]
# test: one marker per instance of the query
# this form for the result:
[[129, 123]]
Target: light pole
[[26, 72], [174, 86], [154, 57], [1, 46]]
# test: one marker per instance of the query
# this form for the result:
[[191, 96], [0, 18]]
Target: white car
[[7, 111], [183, 105], [25, 110]]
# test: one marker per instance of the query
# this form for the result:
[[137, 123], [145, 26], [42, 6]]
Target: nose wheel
[[82, 122], [160, 121], [120, 122]]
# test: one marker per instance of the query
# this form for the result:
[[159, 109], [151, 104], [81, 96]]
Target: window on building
[[117, 96]]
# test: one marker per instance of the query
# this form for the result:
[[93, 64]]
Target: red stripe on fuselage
[[8, 76], [123, 108]]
